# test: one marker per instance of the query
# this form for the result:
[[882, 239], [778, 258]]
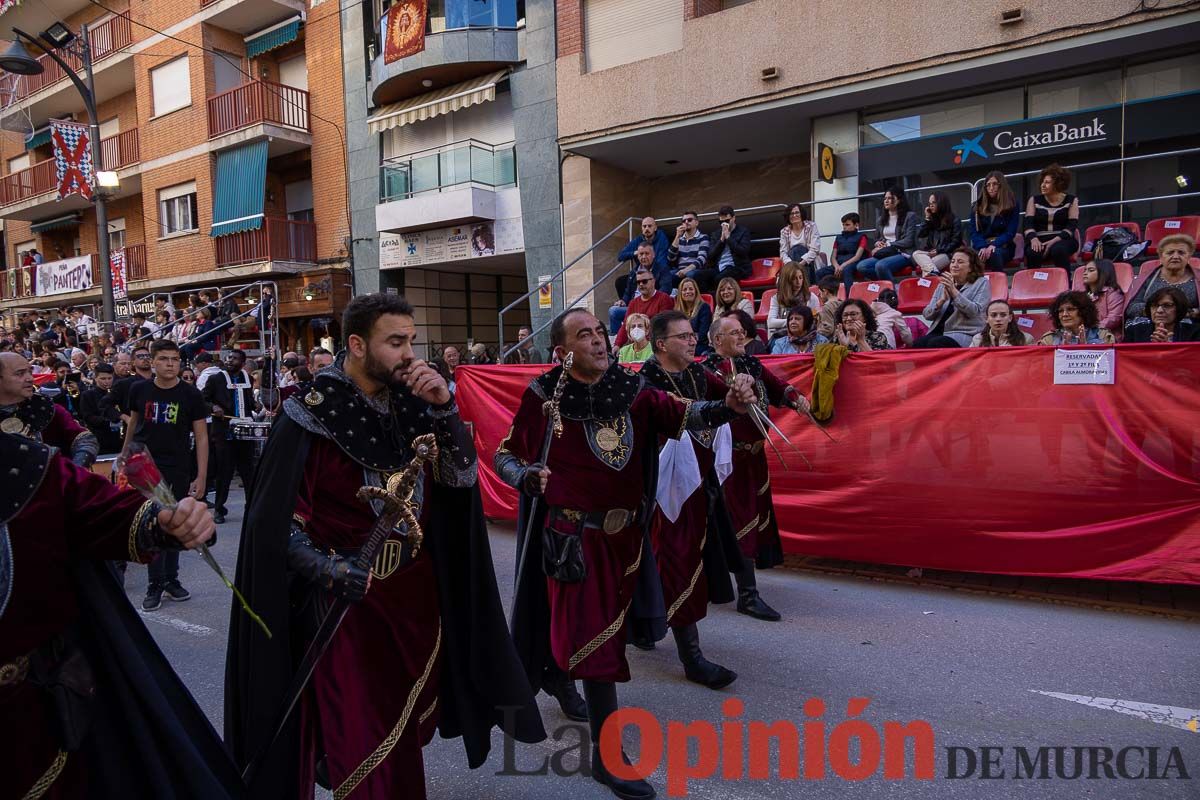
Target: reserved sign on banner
[[61, 277], [1085, 366]]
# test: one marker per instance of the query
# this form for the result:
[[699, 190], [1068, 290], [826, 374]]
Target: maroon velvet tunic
[[587, 619], [74, 514], [62, 430], [371, 704]]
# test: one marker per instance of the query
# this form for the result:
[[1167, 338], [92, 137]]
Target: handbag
[[887, 252], [562, 556]]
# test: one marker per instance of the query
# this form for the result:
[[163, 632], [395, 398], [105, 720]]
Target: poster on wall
[[117, 268], [457, 243], [67, 275], [405, 30]]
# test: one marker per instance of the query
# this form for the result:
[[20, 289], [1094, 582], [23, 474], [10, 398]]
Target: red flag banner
[[972, 460], [72, 158], [405, 35], [117, 266]]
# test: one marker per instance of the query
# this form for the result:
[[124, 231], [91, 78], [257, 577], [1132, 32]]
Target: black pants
[[623, 284], [165, 568], [231, 455], [1056, 251]]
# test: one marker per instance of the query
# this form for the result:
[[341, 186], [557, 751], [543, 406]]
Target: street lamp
[[18, 61]]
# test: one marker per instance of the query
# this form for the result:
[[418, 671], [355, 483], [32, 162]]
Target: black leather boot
[[601, 702], [696, 667], [749, 603], [562, 688]]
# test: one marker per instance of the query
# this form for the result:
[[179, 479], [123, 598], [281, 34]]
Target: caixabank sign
[[982, 147]]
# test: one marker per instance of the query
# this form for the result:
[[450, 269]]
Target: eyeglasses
[[644, 281], [141, 356], [689, 220], [684, 337], [1163, 306], [852, 316]]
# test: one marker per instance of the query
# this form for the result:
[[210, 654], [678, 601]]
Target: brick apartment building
[[228, 136]]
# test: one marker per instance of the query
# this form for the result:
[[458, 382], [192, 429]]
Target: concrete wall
[[362, 151]]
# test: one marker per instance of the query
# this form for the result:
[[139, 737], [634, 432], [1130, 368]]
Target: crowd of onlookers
[[699, 274]]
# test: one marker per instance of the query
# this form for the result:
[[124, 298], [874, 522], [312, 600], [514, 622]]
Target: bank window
[[1075, 94], [1162, 78], [177, 209], [948, 116]]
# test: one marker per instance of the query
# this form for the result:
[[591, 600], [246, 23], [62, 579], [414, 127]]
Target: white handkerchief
[[678, 475], [723, 450]]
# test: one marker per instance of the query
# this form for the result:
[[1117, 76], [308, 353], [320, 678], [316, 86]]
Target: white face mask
[[637, 333]]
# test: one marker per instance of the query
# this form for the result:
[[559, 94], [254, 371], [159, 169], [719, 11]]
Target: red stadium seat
[[869, 290], [914, 294], [1037, 288], [1156, 229], [999, 285], [748, 296], [1124, 276], [708, 298], [1036, 325], [764, 305], [1094, 233], [763, 272]]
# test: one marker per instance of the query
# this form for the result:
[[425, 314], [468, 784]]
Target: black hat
[[203, 358]]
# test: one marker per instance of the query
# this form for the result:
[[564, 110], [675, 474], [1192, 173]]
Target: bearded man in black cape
[[424, 644]]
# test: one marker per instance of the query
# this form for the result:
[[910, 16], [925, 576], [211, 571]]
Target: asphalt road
[[971, 666]]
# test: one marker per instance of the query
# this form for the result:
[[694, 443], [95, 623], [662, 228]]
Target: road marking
[[1187, 719], [177, 624]]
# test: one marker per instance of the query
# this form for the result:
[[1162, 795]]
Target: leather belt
[[14, 671], [753, 447], [611, 521]]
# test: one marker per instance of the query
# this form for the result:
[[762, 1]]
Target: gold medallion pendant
[[14, 425], [314, 398], [607, 439]]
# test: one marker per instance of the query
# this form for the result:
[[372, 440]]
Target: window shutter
[[172, 86], [622, 31]]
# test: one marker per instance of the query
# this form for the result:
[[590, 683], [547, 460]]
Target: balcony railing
[[468, 162], [107, 38], [16, 282], [451, 15], [135, 262], [257, 102], [277, 240], [119, 150]]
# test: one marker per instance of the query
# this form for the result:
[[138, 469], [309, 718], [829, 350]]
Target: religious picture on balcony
[[483, 243], [405, 30], [116, 262], [72, 158]]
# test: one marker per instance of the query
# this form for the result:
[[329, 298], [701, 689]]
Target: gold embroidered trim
[[427, 713], [385, 747], [139, 519], [637, 562], [503, 446], [764, 488], [601, 638], [766, 521], [749, 527], [687, 408], [299, 520], [679, 601], [49, 777]]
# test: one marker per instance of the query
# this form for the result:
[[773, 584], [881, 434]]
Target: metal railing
[[277, 239], [268, 339], [257, 102], [466, 162], [119, 150], [110, 36], [452, 15]]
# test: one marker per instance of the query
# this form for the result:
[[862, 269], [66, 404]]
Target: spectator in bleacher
[[163, 329], [791, 290], [1173, 270], [938, 237], [1100, 283], [479, 354], [648, 300], [800, 336], [893, 249], [1166, 322], [1052, 221], [688, 253], [1002, 329], [730, 255], [645, 256], [728, 298], [659, 243], [754, 346], [1076, 321], [958, 304], [526, 351], [849, 247], [688, 301], [799, 240], [993, 223], [637, 330], [890, 321], [827, 297], [855, 327], [163, 303]]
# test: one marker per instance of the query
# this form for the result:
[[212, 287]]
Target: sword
[[554, 427], [397, 508], [763, 421]]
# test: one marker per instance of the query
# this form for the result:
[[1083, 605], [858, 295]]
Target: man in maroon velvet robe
[[591, 545], [64, 619], [27, 413], [748, 489]]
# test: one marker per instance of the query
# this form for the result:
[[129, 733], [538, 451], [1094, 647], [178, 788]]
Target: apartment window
[[116, 234], [18, 163], [177, 209], [172, 85], [610, 40]]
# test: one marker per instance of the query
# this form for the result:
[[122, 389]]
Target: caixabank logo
[[1030, 137]]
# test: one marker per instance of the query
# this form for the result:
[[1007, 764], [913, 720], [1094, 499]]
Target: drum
[[248, 430]]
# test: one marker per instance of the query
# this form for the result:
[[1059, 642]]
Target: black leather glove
[[532, 485], [330, 572]]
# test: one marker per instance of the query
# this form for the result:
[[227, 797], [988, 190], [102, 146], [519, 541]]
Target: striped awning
[[57, 223], [240, 188], [38, 138], [433, 104], [276, 36]]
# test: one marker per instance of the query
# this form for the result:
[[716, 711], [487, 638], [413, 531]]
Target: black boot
[[556, 684], [601, 702], [749, 603], [696, 667]]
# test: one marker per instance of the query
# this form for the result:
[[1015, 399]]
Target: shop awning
[[38, 138], [433, 104], [275, 36], [57, 223], [239, 189]]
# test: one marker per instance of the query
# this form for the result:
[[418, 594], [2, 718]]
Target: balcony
[[135, 263], [463, 39], [32, 193], [261, 110], [278, 239], [248, 16], [37, 16], [16, 283], [444, 186]]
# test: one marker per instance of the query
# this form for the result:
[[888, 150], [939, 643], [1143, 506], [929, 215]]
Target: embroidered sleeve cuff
[[704, 414], [456, 461], [84, 449], [146, 539]]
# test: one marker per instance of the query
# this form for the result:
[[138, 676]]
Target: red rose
[[142, 473]]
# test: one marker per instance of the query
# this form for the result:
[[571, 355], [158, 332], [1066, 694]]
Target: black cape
[[482, 685]]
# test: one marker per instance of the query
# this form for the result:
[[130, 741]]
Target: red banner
[[969, 460], [405, 35], [116, 261]]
